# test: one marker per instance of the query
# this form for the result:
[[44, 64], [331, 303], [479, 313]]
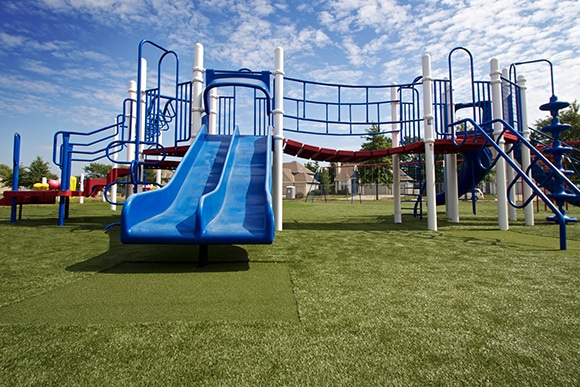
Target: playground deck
[[442, 146], [313, 152]]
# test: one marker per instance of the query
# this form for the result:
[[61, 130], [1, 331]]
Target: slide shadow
[[360, 223], [154, 258]]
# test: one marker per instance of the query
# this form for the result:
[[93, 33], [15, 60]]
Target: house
[[344, 183], [298, 176]]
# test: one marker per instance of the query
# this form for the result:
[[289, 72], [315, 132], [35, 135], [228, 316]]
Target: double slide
[[219, 194]]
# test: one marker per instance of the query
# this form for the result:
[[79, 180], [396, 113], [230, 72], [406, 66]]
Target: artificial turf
[[362, 301], [146, 292]]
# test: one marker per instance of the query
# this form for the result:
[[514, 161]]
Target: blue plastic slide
[[219, 194], [474, 168]]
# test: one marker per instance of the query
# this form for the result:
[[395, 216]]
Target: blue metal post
[[15, 175], [557, 150], [316, 178], [66, 155]]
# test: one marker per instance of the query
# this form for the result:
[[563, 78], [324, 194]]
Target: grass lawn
[[342, 297]]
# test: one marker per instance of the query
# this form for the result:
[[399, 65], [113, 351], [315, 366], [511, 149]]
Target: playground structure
[[224, 133]]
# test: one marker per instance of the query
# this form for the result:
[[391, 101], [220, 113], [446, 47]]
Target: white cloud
[[21, 86], [11, 41], [314, 36], [354, 52], [355, 15], [335, 74], [39, 67], [336, 41]]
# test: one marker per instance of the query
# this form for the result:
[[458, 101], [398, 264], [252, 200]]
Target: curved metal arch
[[472, 78], [513, 68], [242, 78]]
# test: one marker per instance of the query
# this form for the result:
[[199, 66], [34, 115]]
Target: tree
[[376, 174], [323, 176], [5, 174], [312, 166], [34, 173], [332, 176], [324, 179], [96, 170]]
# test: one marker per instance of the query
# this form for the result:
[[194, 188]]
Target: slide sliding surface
[[474, 168], [220, 194]]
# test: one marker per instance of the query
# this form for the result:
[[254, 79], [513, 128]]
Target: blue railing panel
[[336, 109]]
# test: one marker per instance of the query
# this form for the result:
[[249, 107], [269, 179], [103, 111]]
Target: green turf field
[[343, 297]]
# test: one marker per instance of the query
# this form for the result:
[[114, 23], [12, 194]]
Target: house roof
[[287, 175], [296, 167], [294, 172], [303, 177], [345, 174]]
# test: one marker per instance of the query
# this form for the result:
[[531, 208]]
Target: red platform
[[28, 197], [461, 144]]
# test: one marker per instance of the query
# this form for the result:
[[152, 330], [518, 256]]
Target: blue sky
[[66, 64]]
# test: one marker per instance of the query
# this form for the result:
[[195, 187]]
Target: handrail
[[140, 91], [513, 67], [58, 134], [118, 129], [471, 73], [179, 107], [346, 85], [539, 155], [339, 112], [559, 217], [259, 81], [573, 162], [135, 165]]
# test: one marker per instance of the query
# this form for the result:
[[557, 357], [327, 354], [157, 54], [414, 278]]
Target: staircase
[[412, 182]]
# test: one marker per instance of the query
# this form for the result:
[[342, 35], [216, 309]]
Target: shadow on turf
[[385, 224], [155, 258]]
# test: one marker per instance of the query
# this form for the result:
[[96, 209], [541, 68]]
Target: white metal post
[[213, 106], [143, 118], [526, 158], [158, 174], [500, 168], [114, 186], [278, 137], [131, 118], [396, 128], [160, 158], [82, 188], [429, 143], [510, 173], [451, 184], [452, 188], [197, 98]]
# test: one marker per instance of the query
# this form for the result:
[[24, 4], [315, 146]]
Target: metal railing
[[69, 146], [165, 113], [538, 157], [336, 109]]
